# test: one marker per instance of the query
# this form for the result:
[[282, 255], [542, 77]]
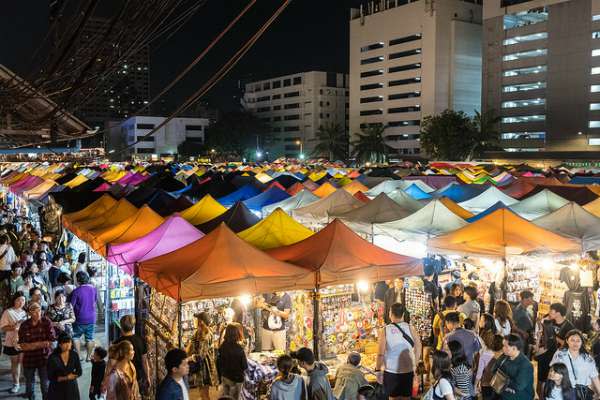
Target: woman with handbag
[[513, 373], [202, 350], [583, 373], [442, 388]]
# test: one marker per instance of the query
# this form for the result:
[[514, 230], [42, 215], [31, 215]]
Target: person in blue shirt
[[174, 387]]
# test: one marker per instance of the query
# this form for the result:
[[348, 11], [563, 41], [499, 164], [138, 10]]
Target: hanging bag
[[500, 380], [582, 392]]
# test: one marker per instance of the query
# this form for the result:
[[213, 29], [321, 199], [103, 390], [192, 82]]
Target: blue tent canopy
[[244, 193], [585, 180], [270, 196], [460, 193], [490, 210], [417, 193]]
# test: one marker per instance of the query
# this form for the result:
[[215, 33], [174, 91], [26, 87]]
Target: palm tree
[[332, 141], [485, 132], [370, 145]]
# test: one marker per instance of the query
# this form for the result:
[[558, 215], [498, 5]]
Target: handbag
[[500, 380], [582, 392]]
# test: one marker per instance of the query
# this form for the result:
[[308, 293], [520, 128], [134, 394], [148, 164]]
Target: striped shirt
[[462, 376]]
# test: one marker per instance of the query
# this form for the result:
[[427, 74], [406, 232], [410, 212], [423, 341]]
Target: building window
[[266, 85], [595, 70], [275, 108], [371, 99], [371, 112], [401, 54], [594, 141], [414, 122], [277, 119], [298, 80], [293, 117], [291, 105], [523, 87], [529, 17], [276, 84], [596, 35], [371, 60], [405, 39], [371, 125], [408, 81], [523, 103], [374, 72], [526, 38], [406, 136], [523, 135], [276, 96], [595, 88], [291, 94], [525, 71], [596, 17], [407, 67], [407, 95], [595, 52], [199, 128], [594, 106], [525, 54], [145, 126], [370, 47], [523, 118], [397, 110], [287, 82], [291, 129], [263, 109], [371, 86], [145, 138], [594, 124], [264, 98]]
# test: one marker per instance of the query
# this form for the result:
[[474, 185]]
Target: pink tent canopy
[[172, 234], [103, 188], [136, 179], [26, 184]]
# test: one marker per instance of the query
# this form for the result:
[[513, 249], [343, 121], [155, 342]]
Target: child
[[461, 372], [98, 369], [558, 386]]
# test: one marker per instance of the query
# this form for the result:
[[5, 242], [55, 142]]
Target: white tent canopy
[[488, 198], [538, 205], [386, 187], [319, 212], [420, 184], [432, 220], [300, 199], [572, 220], [405, 200]]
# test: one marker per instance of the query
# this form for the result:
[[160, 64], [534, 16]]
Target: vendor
[[276, 308]]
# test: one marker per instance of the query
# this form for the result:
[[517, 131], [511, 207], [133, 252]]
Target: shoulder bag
[[582, 392], [500, 380]]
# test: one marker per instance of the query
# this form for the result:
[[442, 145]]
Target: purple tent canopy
[[435, 181], [172, 234], [26, 184]]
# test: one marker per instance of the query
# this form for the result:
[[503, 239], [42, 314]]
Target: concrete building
[[163, 143], [411, 59], [296, 106], [541, 73]]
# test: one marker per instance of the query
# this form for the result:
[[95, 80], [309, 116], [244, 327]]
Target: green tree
[[235, 134], [190, 148], [332, 142], [485, 133], [447, 136], [370, 145]]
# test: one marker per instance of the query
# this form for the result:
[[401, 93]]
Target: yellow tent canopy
[[119, 212], [501, 234], [99, 207], [203, 211], [262, 177], [456, 209], [39, 190], [324, 190], [278, 229], [78, 180]]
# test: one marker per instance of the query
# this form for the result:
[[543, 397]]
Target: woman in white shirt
[[503, 317], [581, 366], [9, 324], [442, 387]]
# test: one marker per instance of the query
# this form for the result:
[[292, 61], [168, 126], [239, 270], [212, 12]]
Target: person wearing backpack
[[398, 354], [439, 326]]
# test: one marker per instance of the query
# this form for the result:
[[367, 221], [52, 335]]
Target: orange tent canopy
[[117, 213], [324, 190], [221, 265], [355, 186], [98, 207], [144, 221], [341, 256], [500, 234], [456, 209]]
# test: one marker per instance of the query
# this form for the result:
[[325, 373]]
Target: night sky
[[309, 35]]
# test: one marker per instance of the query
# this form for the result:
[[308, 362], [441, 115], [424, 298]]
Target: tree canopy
[[332, 142], [370, 145], [235, 134]]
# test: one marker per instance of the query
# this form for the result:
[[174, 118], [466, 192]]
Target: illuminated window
[[595, 70], [594, 141], [371, 60], [526, 38], [525, 71], [595, 52], [594, 124], [523, 118], [595, 17], [370, 47], [594, 106], [595, 88], [525, 54], [529, 17], [523, 103], [523, 135], [523, 87]]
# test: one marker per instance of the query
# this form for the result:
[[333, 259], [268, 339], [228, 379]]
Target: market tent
[[165, 204], [518, 189], [237, 218], [501, 234], [455, 208], [432, 220], [593, 207], [300, 199], [417, 193], [221, 265], [278, 229], [173, 233], [355, 186], [318, 212], [203, 211], [362, 197], [538, 205], [578, 194], [71, 202], [98, 207], [244, 193], [78, 180], [387, 186], [405, 200], [144, 221], [269, 196], [433, 181], [491, 196], [117, 213], [324, 190], [459, 193], [341, 256], [488, 211], [26, 184], [418, 182], [574, 221], [295, 188], [40, 190]]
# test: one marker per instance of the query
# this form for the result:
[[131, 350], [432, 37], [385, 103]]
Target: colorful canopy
[[455, 208], [593, 207], [221, 265], [404, 200], [244, 193], [237, 218], [491, 196], [278, 229], [341, 256], [387, 186], [355, 186], [459, 193], [501, 234], [119, 212], [269, 196], [299, 200], [203, 211], [539, 204], [318, 212], [417, 193], [324, 190], [172, 234], [98, 207]]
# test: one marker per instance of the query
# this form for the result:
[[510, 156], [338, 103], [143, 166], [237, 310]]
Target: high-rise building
[[295, 107], [541, 73], [411, 59]]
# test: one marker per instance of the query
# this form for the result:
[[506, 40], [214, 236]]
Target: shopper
[[559, 385], [438, 325], [287, 385], [202, 350], [517, 368], [503, 317], [27, 284], [63, 370], [462, 374], [399, 354], [140, 359], [486, 368], [487, 327], [257, 376], [98, 371], [173, 386], [457, 291], [581, 366], [523, 319], [64, 284], [36, 296], [61, 314], [10, 284], [392, 296], [470, 308], [231, 362], [442, 386], [318, 387], [35, 339], [349, 378], [7, 257], [83, 300], [595, 341], [276, 310], [55, 271], [469, 340], [121, 381], [11, 321]]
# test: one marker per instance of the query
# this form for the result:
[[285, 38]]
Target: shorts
[[11, 351], [398, 385], [87, 330], [272, 340]]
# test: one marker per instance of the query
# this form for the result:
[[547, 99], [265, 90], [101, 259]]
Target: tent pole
[[179, 318], [316, 323]]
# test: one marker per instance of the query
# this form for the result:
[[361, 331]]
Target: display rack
[[419, 304]]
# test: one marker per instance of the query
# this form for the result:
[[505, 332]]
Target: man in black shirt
[[140, 361]]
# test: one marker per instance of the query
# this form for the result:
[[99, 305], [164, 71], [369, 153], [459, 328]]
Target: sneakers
[[15, 389]]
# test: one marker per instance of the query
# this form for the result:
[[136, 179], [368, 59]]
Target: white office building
[[411, 59], [295, 107]]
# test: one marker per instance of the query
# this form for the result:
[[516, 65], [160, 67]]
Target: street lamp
[[299, 143]]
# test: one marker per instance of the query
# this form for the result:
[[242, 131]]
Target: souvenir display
[[419, 306]]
